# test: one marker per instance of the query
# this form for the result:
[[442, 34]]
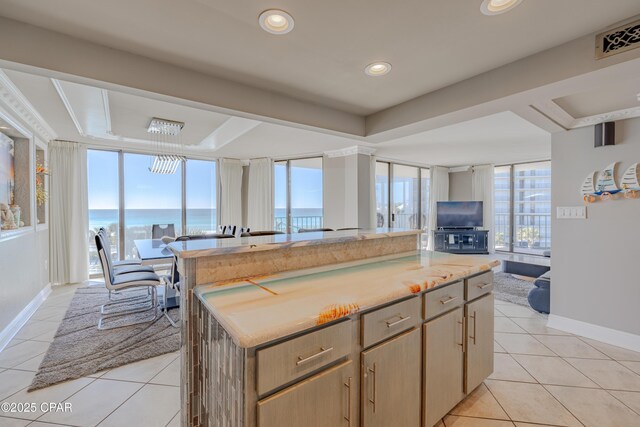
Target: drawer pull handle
[[485, 286], [322, 352], [448, 300], [397, 322]]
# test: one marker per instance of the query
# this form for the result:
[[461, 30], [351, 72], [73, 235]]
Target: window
[[186, 199], [298, 194], [200, 192], [406, 197], [408, 189], [149, 198], [523, 207], [103, 202]]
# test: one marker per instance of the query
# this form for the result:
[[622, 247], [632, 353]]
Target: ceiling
[[431, 44], [613, 96], [77, 112]]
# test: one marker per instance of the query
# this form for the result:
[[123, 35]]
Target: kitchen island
[[343, 328]]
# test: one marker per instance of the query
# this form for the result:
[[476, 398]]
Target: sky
[[144, 190]]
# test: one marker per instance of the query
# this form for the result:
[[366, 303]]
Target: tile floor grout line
[[563, 405], [175, 415], [499, 404]]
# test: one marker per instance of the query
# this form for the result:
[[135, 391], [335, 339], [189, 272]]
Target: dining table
[[155, 252]]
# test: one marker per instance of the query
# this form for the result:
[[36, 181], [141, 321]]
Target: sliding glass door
[[200, 197], [406, 197], [103, 202], [402, 195], [298, 194], [523, 207], [149, 198]]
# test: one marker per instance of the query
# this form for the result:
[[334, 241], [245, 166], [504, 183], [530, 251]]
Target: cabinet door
[[391, 375], [443, 365], [479, 358], [325, 399]]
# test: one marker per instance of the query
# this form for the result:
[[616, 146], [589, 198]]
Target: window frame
[[121, 193], [390, 176], [287, 164], [512, 205]]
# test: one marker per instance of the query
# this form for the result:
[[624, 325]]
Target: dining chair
[[117, 282], [230, 229], [107, 239], [311, 230], [173, 279], [160, 230]]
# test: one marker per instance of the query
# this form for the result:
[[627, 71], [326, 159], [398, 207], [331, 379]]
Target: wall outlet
[[571, 212]]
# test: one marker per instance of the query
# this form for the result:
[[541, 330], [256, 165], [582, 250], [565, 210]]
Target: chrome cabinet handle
[[447, 301], [375, 393], [348, 386], [486, 285], [397, 322], [474, 328], [322, 352]]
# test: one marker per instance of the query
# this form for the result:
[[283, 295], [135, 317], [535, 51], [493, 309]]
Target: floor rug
[[511, 289], [80, 349]]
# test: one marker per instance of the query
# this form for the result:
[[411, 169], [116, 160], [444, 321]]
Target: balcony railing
[[298, 222], [532, 232]]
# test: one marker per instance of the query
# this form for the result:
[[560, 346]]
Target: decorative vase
[[15, 210]]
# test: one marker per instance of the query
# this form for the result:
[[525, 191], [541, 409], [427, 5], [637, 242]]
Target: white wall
[[596, 266], [460, 186], [23, 272]]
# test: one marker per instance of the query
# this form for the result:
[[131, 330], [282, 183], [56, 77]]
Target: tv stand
[[461, 241]]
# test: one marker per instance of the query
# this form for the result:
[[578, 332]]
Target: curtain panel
[[482, 190], [230, 192], [69, 218], [439, 192], [261, 193]]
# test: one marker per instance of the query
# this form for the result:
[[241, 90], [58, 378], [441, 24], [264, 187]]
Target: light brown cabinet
[[391, 382], [479, 346], [326, 399], [443, 364]]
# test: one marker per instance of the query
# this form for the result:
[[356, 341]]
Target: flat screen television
[[459, 214]]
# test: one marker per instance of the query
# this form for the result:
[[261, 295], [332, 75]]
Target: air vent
[[618, 40]]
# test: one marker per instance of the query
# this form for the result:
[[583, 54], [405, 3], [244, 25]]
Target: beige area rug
[[80, 349]]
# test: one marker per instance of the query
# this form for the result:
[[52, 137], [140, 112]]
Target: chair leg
[[165, 310], [111, 308], [102, 326]]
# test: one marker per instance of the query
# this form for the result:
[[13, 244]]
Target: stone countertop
[[259, 310], [208, 247]]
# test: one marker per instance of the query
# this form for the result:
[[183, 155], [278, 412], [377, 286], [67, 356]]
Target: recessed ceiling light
[[276, 21], [496, 7], [377, 69]]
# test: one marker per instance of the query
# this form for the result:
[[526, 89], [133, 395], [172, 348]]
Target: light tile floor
[[545, 377], [141, 394], [542, 377]]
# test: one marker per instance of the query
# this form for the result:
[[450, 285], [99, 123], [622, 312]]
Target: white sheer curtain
[[68, 210], [482, 190], [230, 192], [438, 192], [260, 200]]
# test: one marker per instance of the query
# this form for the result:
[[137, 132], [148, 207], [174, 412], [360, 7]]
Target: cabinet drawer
[[386, 322], [478, 285], [287, 361], [444, 299]]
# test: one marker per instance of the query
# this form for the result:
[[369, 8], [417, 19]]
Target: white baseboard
[[598, 333], [7, 334]]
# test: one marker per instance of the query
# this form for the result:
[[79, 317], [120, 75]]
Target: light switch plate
[[571, 212]]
